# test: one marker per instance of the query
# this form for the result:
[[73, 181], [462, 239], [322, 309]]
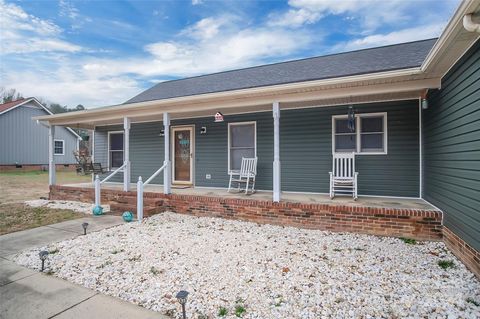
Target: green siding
[[451, 130], [305, 150]]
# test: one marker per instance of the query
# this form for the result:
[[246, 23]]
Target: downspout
[[469, 25], [420, 147]]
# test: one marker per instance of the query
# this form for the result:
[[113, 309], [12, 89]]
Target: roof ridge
[[290, 61]]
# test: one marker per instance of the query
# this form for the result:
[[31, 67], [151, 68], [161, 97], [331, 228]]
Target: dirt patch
[[15, 217], [16, 187]]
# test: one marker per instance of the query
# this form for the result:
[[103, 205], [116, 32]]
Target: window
[[241, 143], [368, 137], [345, 140], [115, 149], [58, 148]]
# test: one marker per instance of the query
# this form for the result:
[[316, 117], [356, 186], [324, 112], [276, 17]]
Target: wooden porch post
[[126, 141], [167, 180], [51, 156], [276, 152]]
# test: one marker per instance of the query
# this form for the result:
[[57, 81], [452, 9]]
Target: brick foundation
[[410, 223], [463, 251]]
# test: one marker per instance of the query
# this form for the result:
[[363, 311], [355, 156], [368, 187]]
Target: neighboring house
[[24, 142], [417, 132]]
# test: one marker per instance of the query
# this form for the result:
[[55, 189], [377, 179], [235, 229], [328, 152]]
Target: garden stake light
[[182, 299], [85, 225], [43, 255]]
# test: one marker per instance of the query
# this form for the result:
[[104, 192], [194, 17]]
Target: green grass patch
[[409, 241], [446, 264], [239, 310], [473, 302], [222, 312]]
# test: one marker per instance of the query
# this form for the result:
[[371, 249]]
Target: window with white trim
[[59, 147], [115, 149], [241, 143], [368, 137]]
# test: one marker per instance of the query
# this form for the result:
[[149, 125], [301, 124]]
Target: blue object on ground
[[97, 210], [127, 216]]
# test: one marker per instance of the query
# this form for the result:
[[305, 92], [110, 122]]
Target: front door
[[182, 154]]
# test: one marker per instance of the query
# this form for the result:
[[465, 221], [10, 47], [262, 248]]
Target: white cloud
[[224, 51], [25, 33], [67, 9], [206, 28], [40, 45], [67, 87], [405, 35], [14, 19], [66, 73], [370, 13], [196, 2]]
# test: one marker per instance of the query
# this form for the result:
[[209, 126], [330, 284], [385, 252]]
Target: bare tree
[[9, 95]]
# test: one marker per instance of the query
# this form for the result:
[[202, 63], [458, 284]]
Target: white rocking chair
[[343, 178], [246, 175]]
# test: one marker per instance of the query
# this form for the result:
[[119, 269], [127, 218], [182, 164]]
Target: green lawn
[[17, 186]]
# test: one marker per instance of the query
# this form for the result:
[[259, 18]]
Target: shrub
[[473, 302], [409, 241], [445, 264], [222, 312], [239, 310]]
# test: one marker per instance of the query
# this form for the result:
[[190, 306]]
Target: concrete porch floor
[[362, 201]]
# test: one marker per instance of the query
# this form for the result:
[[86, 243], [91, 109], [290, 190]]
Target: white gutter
[[469, 25]]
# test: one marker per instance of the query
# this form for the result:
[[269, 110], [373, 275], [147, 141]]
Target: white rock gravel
[[272, 271], [78, 207]]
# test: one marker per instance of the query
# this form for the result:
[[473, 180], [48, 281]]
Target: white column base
[[276, 181], [167, 184], [126, 177]]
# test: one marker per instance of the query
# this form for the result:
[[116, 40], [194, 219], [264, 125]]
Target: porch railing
[[98, 183], [140, 186]]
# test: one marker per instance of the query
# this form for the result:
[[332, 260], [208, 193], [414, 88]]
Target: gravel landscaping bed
[[263, 271], [78, 207]]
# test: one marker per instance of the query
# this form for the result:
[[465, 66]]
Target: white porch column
[[167, 180], [276, 152], [126, 142], [51, 156]]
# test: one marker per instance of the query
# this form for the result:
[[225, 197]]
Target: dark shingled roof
[[386, 58]]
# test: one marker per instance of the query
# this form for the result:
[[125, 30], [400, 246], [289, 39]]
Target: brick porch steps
[[151, 206]]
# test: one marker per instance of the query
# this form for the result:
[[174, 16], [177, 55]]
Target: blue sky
[[100, 53]]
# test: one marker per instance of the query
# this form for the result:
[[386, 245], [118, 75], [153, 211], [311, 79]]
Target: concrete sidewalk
[[28, 294]]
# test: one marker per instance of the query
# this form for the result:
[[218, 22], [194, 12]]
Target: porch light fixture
[[182, 299], [424, 104], [85, 225], [218, 117], [162, 133], [43, 256], [203, 130]]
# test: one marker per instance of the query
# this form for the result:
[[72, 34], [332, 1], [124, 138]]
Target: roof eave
[[234, 93]]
